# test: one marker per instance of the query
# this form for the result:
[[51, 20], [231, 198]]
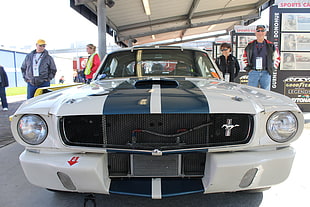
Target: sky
[[23, 22]]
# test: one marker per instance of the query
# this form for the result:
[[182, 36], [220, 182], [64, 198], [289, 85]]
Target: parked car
[[157, 122]]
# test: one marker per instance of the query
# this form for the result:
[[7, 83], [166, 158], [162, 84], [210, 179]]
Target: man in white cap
[[38, 68]]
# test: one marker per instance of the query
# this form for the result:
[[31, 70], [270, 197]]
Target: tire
[[258, 190]]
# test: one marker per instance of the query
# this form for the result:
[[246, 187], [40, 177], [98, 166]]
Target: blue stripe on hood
[[127, 99], [186, 98]]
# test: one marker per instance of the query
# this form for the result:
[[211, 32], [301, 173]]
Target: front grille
[[156, 131], [169, 165]]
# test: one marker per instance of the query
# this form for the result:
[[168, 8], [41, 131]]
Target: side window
[[110, 67], [206, 67], [113, 66], [130, 69], [203, 66]]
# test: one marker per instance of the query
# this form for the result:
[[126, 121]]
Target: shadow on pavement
[[240, 199]]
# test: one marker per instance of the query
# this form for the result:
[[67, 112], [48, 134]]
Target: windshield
[[157, 62]]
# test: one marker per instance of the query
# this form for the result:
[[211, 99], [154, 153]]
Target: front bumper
[[224, 172]]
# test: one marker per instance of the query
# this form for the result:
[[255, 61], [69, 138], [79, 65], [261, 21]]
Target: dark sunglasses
[[42, 45], [260, 30], [224, 49]]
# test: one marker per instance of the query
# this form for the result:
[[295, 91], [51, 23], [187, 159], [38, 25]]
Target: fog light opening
[[66, 181], [248, 178]]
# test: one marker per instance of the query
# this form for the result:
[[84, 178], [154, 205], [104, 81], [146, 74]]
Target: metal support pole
[[15, 72], [102, 31], [130, 43]]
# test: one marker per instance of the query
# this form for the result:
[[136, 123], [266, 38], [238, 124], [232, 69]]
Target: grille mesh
[[155, 131]]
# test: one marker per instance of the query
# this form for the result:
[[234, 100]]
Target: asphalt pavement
[[5, 130]]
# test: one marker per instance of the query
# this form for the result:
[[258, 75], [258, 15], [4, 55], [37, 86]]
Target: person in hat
[[38, 68], [261, 58], [4, 82]]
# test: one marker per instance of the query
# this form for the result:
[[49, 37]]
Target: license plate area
[[156, 166], [146, 165]]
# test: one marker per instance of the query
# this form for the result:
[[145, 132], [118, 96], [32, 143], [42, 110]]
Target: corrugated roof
[[171, 19]]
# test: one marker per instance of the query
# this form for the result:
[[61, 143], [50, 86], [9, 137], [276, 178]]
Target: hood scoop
[[162, 83]]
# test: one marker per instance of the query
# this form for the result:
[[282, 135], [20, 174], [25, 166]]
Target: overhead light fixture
[[146, 5], [109, 3], [153, 37]]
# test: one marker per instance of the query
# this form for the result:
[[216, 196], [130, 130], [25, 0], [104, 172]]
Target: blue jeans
[[3, 97], [31, 89], [259, 78]]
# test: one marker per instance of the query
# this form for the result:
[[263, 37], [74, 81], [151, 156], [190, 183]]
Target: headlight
[[32, 129], [282, 126]]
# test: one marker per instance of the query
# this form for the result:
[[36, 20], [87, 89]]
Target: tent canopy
[[175, 20]]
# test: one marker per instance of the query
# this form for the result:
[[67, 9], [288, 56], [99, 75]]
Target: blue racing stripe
[[143, 186], [132, 186], [186, 98], [126, 99]]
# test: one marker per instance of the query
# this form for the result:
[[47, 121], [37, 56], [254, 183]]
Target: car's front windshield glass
[[158, 62]]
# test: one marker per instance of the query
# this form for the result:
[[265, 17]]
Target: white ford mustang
[[157, 122]]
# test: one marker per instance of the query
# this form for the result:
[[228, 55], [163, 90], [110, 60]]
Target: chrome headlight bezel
[[32, 129], [282, 126]]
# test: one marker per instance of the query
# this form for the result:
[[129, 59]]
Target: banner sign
[[274, 36], [245, 29], [298, 89], [293, 3], [289, 29]]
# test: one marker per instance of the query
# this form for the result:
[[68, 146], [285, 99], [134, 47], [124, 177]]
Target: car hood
[[156, 95]]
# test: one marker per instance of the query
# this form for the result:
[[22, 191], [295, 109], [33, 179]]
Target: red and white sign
[[293, 3], [245, 29], [80, 63]]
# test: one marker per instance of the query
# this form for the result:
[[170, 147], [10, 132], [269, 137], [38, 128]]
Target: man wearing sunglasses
[[38, 68], [261, 58]]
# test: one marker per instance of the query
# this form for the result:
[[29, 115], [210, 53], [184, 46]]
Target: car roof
[[159, 48]]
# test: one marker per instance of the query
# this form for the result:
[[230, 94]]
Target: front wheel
[[258, 190]]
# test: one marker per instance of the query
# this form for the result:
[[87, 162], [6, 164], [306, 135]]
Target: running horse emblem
[[228, 127]]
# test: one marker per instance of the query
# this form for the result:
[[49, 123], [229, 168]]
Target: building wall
[[12, 61]]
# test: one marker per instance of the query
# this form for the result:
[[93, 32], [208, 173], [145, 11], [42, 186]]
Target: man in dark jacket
[[38, 69], [3, 83], [261, 58]]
